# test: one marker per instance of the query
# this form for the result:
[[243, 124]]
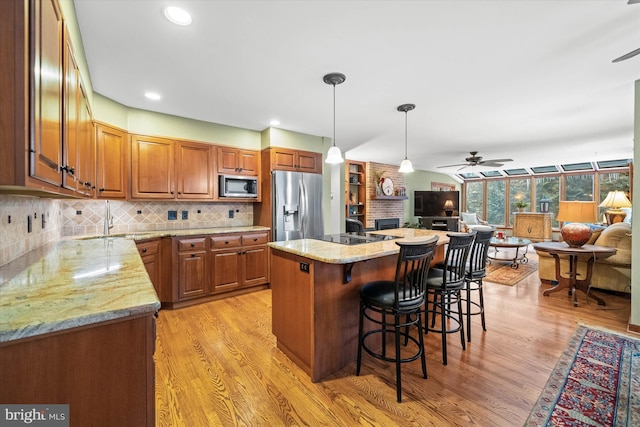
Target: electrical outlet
[[230, 213], [172, 215], [304, 266], [185, 215], [29, 224], [9, 219], [43, 220]]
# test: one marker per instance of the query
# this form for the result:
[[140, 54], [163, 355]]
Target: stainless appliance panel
[[297, 205]]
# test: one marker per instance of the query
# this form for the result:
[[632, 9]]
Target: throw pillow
[[469, 218], [594, 236]]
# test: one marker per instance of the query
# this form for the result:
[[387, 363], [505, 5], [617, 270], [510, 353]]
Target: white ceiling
[[527, 80]]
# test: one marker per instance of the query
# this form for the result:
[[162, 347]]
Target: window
[[578, 187], [496, 203], [549, 188], [474, 197], [519, 191]]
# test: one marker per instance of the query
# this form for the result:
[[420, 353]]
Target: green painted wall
[[421, 180]]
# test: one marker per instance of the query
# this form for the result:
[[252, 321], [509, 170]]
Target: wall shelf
[[389, 198]]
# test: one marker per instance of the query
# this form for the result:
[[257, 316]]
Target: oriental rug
[[502, 273], [596, 382]]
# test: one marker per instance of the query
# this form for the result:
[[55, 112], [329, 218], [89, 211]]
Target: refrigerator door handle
[[303, 208]]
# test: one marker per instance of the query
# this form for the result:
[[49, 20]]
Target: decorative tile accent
[[15, 239], [62, 220]]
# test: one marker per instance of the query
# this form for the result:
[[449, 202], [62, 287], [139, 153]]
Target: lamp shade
[[334, 156], [615, 199], [406, 166], [576, 234]]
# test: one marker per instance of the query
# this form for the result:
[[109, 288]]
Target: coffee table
[[511, 243]]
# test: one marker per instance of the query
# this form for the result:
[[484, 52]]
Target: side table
[[592, 252]]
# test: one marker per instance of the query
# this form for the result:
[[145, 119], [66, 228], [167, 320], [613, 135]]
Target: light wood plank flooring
[[217, 365]]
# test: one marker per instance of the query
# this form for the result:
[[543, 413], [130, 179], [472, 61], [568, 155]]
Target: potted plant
[[521, 204]]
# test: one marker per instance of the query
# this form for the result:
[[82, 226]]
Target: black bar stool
[[444, 285], [476, 271], [401, 300]]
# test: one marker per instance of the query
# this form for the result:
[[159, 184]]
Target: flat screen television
[[431, 203]]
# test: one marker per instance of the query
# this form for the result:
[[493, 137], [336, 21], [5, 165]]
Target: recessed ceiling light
[[153, 96], [274, 122], [177, 16]]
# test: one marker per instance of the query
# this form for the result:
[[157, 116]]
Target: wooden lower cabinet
[[151, 258], [532, 225], [104, 372], [208, 267]]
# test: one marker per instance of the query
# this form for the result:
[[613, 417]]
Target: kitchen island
[[316, 292]]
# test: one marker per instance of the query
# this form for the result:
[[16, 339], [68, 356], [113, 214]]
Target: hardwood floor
[[217, 365]]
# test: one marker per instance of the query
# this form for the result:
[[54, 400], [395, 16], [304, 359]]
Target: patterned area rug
[[596, 382], [502, 273]]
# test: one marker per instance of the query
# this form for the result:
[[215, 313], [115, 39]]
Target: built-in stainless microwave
[[238, 186]]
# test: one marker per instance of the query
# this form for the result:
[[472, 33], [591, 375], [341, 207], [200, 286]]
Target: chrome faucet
[[108, 219]]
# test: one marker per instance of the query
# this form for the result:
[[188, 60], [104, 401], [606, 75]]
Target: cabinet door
[[248, 163], [86, 147], [191, 274], [283, 159], [227, 160], [152, 168], [194, 165], [255, 266], [225, 269], [309, 162], [46, 60], [71, 117], [152, 265], [111, 162]]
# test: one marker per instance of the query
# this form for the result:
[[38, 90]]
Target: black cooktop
[[355, 238]]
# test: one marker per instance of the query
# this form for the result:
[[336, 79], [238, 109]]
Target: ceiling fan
[[633, 52], [475, 160]]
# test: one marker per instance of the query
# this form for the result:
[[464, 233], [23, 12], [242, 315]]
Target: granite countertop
[[335, 253], [81, 281]]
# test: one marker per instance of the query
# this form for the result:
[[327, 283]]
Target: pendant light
[[334, 155], [405, 166]]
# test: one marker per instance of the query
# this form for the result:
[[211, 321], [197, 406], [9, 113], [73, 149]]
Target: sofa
[[612, 273]]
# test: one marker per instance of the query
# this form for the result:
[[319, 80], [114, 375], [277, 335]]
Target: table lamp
[[448, 207], [574, 232], [614, 201]]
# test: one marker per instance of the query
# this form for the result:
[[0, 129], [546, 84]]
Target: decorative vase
[[576, 234]]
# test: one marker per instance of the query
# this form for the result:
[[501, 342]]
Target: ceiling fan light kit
[[334, 155]]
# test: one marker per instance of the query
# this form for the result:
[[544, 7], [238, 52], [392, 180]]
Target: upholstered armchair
[[470, 221]]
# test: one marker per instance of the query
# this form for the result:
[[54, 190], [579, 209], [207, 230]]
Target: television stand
[[441, 223]]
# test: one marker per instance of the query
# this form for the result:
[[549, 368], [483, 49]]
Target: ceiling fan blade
[[633, 2], [491, 164], [450, 166], [628, 55], [496, 161]]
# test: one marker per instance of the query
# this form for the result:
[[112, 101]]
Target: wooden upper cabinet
[[70, 128], [236, 161], [46, 109], [152, 168], [295, 160], [111, 162], [194, 170], [86, 175]]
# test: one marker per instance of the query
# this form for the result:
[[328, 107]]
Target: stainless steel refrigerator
[[297, 205]]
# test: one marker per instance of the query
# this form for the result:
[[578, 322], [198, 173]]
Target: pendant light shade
[[334, 155], [406, 166]]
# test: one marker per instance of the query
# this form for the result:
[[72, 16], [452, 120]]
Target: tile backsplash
[[72, 217]]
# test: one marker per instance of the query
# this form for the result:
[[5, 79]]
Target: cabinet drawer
[[222, 242], [191, 244], [150, 247], [255, 239]]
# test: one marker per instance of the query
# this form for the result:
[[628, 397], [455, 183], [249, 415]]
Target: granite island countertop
[[336, 253], [80, 281]]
